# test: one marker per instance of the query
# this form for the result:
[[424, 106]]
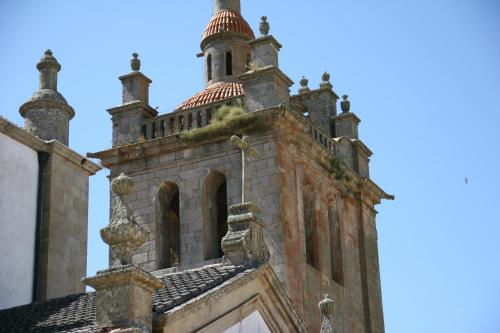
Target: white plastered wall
[[18, 203]]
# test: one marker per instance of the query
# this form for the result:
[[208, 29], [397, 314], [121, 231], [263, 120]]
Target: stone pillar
[[346, 123], [127, 118], [124, 292], [47, 114], [123, 298], [265, 84], [244, 242]]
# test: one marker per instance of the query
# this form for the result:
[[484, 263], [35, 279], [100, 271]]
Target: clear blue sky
[[424, 77]]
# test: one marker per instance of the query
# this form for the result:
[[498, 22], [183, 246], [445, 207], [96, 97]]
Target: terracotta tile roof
[[227, 20], [216, 92], [76, 313]]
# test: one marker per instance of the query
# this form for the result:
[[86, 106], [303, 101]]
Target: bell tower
[[225, 43]]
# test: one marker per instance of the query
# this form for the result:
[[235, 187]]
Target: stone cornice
[[347, 115], [57, 148], [133, 105], [46, 103], [133, 75], [125, 275], [308, 94], [222, 36], [52, 147], [364, 148], [271, 69], [269, 39]]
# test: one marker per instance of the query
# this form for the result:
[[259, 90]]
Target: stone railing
[[175, 123]]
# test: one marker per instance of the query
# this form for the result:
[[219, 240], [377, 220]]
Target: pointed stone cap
[[123, 234], [48, 61], [47, 95], [326, 307]]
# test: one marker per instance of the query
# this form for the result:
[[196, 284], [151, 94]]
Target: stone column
[[124, 292]]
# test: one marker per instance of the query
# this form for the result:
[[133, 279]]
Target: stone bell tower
[[47, 114], [225, 43]]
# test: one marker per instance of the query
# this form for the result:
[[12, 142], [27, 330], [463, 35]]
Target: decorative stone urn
[[135, 63], [264, 26], [303, 85], [123, 234], [345, 105]]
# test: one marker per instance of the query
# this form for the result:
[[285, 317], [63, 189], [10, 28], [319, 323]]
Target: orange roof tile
[[216, 92], [226, 20]]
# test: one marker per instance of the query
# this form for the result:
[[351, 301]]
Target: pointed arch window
[[229, 63], [209, 67], [168, 240], [214, 214]]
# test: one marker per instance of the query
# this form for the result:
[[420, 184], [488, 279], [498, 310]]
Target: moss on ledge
[[227, 120]]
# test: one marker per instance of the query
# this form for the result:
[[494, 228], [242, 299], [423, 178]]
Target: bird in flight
[[466, 180]]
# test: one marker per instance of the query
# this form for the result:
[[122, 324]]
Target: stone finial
[[326, 307], [345, 105], [303, 85], [135, 63], [264, 26], [123, 234], [325, 80], [244, 242], [48, 68]]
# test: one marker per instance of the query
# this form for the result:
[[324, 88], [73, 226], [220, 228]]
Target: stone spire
[[123, 292], [48, 67], [326, 307], [47, 114], [123, 234]]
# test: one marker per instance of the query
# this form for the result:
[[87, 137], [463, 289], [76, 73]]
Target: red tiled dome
[[226, 20], [216, 92]]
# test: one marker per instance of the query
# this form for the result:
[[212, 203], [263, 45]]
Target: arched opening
[[209, 67], [229, 63], [214, 214], [168, 240], [310, 225]]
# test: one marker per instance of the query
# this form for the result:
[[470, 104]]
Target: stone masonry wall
[[188, 168], [63, 243], [306, 284], [48, 124]]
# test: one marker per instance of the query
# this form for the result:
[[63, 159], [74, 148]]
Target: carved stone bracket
[[244, 241]]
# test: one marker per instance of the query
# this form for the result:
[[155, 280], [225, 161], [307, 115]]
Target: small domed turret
[[47, 114]]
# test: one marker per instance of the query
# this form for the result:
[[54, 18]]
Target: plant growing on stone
[[226, 120]]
